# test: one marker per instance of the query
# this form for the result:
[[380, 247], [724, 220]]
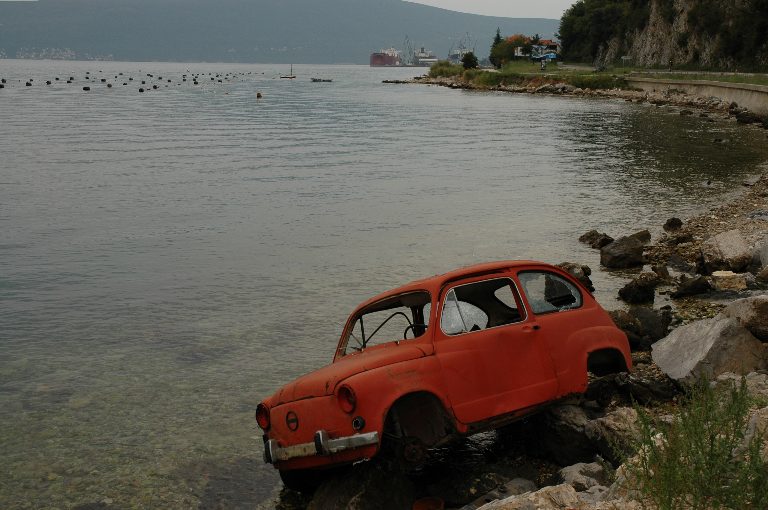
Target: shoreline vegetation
[[517, 77]]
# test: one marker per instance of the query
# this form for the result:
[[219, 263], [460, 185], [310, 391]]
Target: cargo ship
[[385, 58], [424, 58]]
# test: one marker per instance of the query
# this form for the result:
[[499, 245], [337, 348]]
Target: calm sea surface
[[169, 258]]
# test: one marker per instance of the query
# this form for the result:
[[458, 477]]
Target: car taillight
[[347, 399], [262, 416]]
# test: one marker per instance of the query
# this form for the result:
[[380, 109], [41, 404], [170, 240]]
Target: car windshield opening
[[401, 317]]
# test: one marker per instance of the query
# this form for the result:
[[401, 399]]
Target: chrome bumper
[[322, 445]]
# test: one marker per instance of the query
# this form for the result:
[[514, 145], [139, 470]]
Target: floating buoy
[[28, 84], [130, 79], [154, 87], [103, 80], [57, 78], [109, 85], [143, 82], [2, 86], [258, 95], [141, 90], [86, 89], [2, 80]]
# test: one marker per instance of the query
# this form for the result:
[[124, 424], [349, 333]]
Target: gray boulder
[[762, 253], [556, 497], [582, 476], [640, 290], [622, 253], [644, 236], [691, 287], [708, 348], [614, 433], [727, 251], [752, 313]]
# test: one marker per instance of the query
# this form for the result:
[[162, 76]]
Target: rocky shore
[[688, 104], [709, 273]]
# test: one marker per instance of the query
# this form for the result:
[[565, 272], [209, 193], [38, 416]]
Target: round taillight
[[262, 416], [347, 399]]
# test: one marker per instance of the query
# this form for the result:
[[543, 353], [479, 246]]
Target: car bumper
[[322, 445]]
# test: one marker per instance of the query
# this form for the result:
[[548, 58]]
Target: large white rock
[[728, 251], [708, 348]]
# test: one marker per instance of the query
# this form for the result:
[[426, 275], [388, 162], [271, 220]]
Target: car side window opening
[[548, 292], [397, 318], [478, 306]]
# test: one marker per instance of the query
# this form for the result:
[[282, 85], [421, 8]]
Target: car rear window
[[548, 292]]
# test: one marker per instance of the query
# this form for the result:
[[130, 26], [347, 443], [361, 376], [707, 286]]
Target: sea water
[[169, 258]]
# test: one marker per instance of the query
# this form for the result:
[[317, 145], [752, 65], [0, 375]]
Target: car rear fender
[[573, 362]]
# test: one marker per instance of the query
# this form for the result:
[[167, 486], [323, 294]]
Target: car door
[[558, 309], [492, 361]]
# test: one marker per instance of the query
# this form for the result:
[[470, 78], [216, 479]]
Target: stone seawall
[[752, 97]]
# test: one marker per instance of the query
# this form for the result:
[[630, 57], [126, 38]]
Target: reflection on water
[[169, 258]]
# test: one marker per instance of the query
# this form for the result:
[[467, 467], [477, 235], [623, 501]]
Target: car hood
[[323, 381]]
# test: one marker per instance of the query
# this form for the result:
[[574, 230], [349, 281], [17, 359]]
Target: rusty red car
[[448, 356]]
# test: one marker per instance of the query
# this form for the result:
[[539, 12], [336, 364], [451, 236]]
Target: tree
[[469, 60], [494, 55]]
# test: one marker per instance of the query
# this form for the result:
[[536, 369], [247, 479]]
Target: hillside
[[300, 31], [713, 34]]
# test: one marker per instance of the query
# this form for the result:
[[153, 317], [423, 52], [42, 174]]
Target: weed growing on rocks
[[703, 458]]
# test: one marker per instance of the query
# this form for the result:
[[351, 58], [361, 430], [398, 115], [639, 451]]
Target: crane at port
[[463, 46]]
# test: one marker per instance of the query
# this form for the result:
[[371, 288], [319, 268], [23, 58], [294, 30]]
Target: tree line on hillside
[[738, 29]]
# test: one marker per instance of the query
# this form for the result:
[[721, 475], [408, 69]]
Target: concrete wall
[[752, 97]]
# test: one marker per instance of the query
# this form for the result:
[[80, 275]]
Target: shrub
[[597, 81], [469, 61], [445, 68], [700, 461]]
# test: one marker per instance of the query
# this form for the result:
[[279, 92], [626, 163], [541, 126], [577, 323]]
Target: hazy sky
[[509, 8]]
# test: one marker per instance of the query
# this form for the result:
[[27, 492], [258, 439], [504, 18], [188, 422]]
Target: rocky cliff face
[[718, 34]]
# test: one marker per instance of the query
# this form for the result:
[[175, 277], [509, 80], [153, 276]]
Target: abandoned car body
[[451, 355]]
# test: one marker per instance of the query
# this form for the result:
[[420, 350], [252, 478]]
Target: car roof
[[434, 283]]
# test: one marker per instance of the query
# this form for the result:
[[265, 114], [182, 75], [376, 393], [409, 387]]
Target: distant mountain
[[268, 31]]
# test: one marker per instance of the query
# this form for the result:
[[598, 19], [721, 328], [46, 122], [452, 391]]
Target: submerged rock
[[596, 239]]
